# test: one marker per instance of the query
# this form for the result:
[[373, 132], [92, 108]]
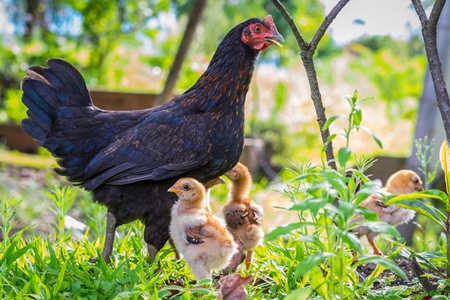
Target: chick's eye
[[186, 187], [257, 29]]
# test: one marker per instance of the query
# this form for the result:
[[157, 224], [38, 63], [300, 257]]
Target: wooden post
[[195, 16]]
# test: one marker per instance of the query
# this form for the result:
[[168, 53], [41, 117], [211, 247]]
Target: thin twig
[[435, 14], [326, 23], [420, 12], [300, 40]]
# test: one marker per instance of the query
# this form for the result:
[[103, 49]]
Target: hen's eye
[[186, 187], [257, 29]]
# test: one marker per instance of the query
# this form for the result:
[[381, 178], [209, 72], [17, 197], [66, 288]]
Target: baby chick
[[242, 215], [402, 182], [205, 244], [208, 186]]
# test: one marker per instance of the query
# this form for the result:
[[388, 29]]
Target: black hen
[[129, 159]]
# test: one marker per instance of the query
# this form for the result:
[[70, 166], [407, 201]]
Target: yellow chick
[[208, 186], [401, 182], [205, 244], [242, 215]]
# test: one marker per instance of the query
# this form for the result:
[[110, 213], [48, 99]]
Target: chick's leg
[[370, 237], [111, 225], [248, 259]]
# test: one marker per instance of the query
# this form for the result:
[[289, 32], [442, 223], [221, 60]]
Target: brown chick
[[242, 215], [205, 244], [401, 182]]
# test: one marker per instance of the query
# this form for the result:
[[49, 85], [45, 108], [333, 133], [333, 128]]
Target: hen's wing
[[166, 144], [196, 235]]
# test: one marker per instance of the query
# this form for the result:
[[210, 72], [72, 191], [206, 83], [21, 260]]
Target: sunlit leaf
[[331, 120], [282, 230], [383, 261], [313, 205], [300, 294], [310, 262], [318, 282], [357, 116], [419, 207], [381, 227], [344, 154], [351, 239], [377, 140], [444, 157]]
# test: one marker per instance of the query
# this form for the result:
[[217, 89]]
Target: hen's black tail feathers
[[45, 90], [55, 98]]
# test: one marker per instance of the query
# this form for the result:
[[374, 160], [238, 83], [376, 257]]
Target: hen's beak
[[272, 40]]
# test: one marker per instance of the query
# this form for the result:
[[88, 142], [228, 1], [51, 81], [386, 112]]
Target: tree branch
[[420, 12], [300, 40], [435, 14], [307, 53], [429, 33], [326, 23]]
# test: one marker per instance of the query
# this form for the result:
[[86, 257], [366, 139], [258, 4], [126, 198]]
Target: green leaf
[[313, 205], [444, 157], [409, 202], [300, 294], [351, 239], [381, 227], [282, 230], [367, 189], [344, 154], [377, 140], [383, 261], [331, 137], [357, 116], [310, 262], [318, 282], [331, 120], [347, 209]]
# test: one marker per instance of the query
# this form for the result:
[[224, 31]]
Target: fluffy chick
[[208, 186], [205, 244], [242, 215], [401, 182]]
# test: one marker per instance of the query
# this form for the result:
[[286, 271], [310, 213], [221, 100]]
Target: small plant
[[425, 152], [434, 214], [62, 199], [354, 123], [9, 210]]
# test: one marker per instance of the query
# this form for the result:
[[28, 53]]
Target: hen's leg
[[155, 237], [111, 225]]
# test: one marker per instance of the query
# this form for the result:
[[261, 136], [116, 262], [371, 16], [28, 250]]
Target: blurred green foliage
[[395, 68]]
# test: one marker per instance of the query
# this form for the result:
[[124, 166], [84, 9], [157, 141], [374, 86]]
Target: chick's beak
[[173, 189]]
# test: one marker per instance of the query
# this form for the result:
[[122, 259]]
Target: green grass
[[307, 259]]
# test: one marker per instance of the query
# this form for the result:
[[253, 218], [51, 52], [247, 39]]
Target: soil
[[412, 271]]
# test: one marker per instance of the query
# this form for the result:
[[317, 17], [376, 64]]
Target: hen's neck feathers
[[226, 80]]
